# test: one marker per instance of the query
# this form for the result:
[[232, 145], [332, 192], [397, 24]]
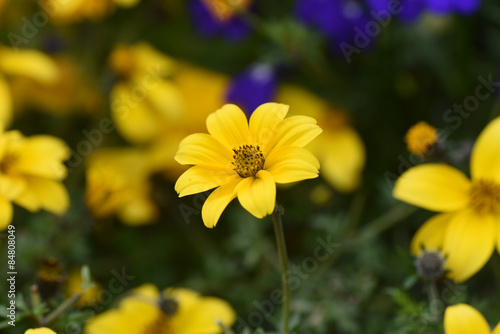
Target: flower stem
[[433, 300], [280, 240]]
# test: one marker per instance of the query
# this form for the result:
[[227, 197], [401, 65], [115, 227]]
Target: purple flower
[[255, 86], [234, 30], [334, 18]]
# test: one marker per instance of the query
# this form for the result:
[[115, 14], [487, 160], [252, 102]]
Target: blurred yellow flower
[[176, 310], [225, 10], [71, 91], [464, 319], [69, 11], [468, 230], [118, 184], [31, 170], [420, 138], [27, 63], [42, 330], [246, 159], [145, 101], [339, 148], [74, 286]]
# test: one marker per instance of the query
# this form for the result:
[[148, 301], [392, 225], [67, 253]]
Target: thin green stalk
[[434, 300], [66, 305], [280, 240]]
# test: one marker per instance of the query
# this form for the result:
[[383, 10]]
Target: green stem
[[433, 299], [66, 305], [280, 240]]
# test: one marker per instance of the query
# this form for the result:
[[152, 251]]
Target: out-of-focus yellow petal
[[342, 156], [436, 187], [497, 329], [218, 201], [291, 164], [6, 213], [204, 314], [485, 158], [45, 194], [140, 210], [166, 99], [264, 119], [134, 119], [302, 100], [42, 156], [464, 319], [30, 63], [11, 186], [430, 236], [229, 125], [126, 3], [149, 60], [198, 179], [43, 330], [293, 131], [203, 149], [5, 104], [468, 243], [258, 194]]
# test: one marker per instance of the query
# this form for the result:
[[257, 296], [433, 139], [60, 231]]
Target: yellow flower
[[339, 148], [246, 159], [468, 229], [68, 11], [464, 319], [31, 170], [420, 138], [74, 285], [42, 330], [145, 101], [25, 63], [225, 10], [118, 183], [177, 310]]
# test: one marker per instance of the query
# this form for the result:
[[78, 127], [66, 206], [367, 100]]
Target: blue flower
[[334, 18], [206, 25], [255, 86]]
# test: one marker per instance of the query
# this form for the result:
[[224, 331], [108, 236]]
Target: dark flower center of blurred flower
[[160, 325], [248, 160], [430, 264], [7, 161], [169, 306], [485, 197]]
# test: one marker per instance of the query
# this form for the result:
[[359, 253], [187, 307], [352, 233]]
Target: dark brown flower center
[[485, 197], [248, 160]]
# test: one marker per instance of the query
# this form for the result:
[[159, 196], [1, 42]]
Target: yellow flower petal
[[342, 156], [43, 156], [264, 120], [229, 125], [431, 234], [43, 330], [29, 63], [201, 148], [258, 194], [291, 164], [134, 119], [5, 103], [6, 213], [293, 131], [469, 243], [140, 210], [198, 179], [464, 319], [436, 187], [203, 315], [497, 329], [45, 194], [11, 186], [218, 201], [485, 158]]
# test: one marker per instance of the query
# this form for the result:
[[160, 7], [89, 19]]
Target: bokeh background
[[132, 79]]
